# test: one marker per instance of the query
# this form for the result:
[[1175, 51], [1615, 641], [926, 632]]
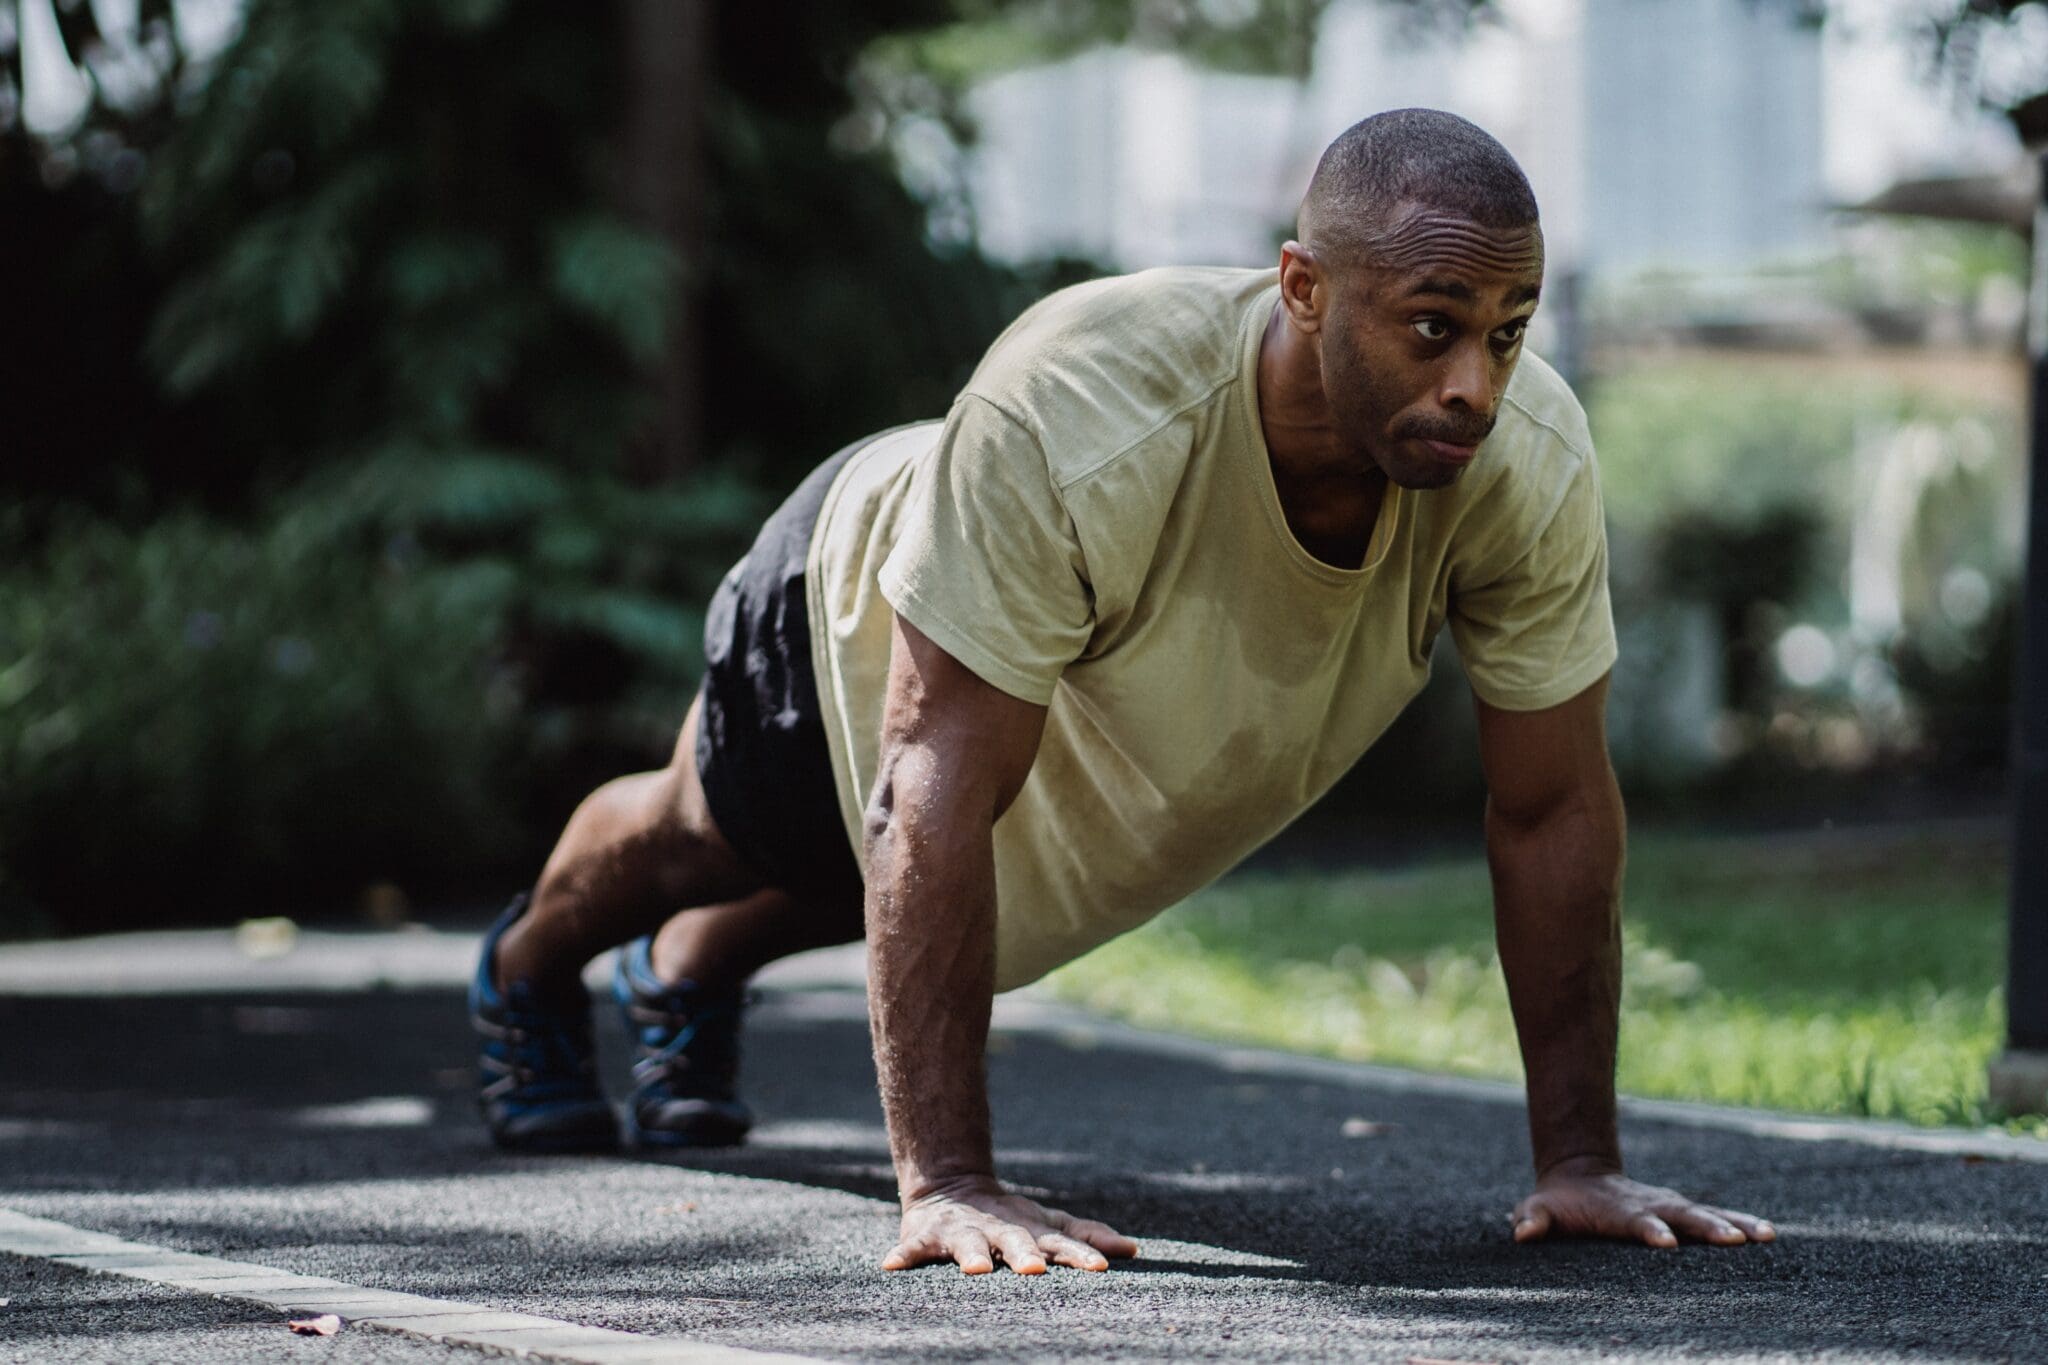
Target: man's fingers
[[970, 1249], [915, 1252], [1532, 1221], [1102, 1237], [1020, 1251], [1707, 1225], [1017, 1232], [1754, 1228], [1064, 1250], [1653, 1230]]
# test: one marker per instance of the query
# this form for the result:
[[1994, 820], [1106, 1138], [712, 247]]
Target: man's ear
[[1304, 292]]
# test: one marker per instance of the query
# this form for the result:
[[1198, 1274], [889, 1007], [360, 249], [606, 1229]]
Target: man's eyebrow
[[1463, 293], [1450, 289]]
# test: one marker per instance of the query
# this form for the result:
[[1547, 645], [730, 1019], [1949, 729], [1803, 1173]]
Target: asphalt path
[[1286, 1213]]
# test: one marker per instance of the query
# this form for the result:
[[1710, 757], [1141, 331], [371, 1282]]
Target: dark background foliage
[[335, 553]]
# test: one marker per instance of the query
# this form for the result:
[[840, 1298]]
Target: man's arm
[[1555, 840], [955, 752]]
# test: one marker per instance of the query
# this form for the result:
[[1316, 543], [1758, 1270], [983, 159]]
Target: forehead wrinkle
[[1425, 239]]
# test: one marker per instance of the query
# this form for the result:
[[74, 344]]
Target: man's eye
[[1432, 329], [1511, 333]]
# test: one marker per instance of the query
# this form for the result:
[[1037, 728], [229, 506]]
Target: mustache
[[1450, 433]]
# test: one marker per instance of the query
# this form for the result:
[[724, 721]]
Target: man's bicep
[[953, 743], [1538, 761]]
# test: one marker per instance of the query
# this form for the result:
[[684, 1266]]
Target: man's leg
[[636, 849], [721, 945]]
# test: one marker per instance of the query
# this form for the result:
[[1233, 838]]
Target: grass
[[1845, 973]]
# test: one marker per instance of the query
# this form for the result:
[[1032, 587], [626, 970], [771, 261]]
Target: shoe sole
[[711, 1133], [593, 1137]]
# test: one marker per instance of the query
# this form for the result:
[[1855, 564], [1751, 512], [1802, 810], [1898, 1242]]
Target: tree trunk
[[667, 44]]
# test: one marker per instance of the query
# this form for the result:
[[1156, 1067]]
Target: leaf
[[618, 276], [326, 1325]]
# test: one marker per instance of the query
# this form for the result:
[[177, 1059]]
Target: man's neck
[[1293, 413], [1330, 508]]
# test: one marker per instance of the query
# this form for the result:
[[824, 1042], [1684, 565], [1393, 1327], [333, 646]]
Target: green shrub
[[193, 713], [408, 670]]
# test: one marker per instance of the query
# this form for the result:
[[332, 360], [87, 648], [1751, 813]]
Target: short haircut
[[1408, 158]]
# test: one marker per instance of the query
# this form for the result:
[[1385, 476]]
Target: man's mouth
[[1452, 452]]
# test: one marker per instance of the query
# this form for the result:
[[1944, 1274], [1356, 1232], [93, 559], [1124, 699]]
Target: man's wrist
[[1580, 1165], [952, 1185]]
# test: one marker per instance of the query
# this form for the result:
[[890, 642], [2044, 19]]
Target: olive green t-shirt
[[1095, 528]]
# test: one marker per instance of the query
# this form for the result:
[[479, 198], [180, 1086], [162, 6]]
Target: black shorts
[[761, 752]]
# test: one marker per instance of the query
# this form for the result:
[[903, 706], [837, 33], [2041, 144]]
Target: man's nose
[[1468, 382]]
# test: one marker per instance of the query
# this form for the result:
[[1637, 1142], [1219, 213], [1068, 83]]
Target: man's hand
[[1595, 1202], [971, 1221]]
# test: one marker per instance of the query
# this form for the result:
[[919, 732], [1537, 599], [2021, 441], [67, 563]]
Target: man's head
[[1418, 265]]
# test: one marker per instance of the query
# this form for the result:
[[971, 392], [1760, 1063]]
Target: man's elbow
[[1587, 808], [925, 803]]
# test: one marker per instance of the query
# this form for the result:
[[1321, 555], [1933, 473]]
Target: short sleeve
[[1541, 630], [986, 562]]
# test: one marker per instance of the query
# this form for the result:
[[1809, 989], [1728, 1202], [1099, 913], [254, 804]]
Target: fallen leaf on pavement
[[266, 939], [326, 1325], [1355, 1128]]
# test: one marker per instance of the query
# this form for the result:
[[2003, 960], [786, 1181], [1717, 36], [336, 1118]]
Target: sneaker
[[537, 1065], [689, 1042]]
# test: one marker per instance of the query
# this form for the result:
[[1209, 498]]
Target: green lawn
[[1844, 973]]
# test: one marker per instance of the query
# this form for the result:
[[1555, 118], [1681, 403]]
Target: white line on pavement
[[437, 1320]]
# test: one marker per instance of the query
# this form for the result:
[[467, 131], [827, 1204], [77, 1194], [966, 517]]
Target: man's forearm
[[1557, 903], [931, 980]]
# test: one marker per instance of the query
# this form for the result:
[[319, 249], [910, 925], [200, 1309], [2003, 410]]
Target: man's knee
[[696, 857]]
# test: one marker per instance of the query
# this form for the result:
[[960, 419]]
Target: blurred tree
[[1975, 42], [665, 66], [79, 290], [1974, 47]]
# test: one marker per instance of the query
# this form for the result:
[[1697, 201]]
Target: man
[[1175, 558]]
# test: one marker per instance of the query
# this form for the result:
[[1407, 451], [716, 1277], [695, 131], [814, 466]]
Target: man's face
[[1421, 340]]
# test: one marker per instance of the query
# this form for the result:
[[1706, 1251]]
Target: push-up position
[[994, 690]]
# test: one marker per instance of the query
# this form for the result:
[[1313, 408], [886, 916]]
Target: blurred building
[[1134, 159], [1702, 134], [1656, 132]]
